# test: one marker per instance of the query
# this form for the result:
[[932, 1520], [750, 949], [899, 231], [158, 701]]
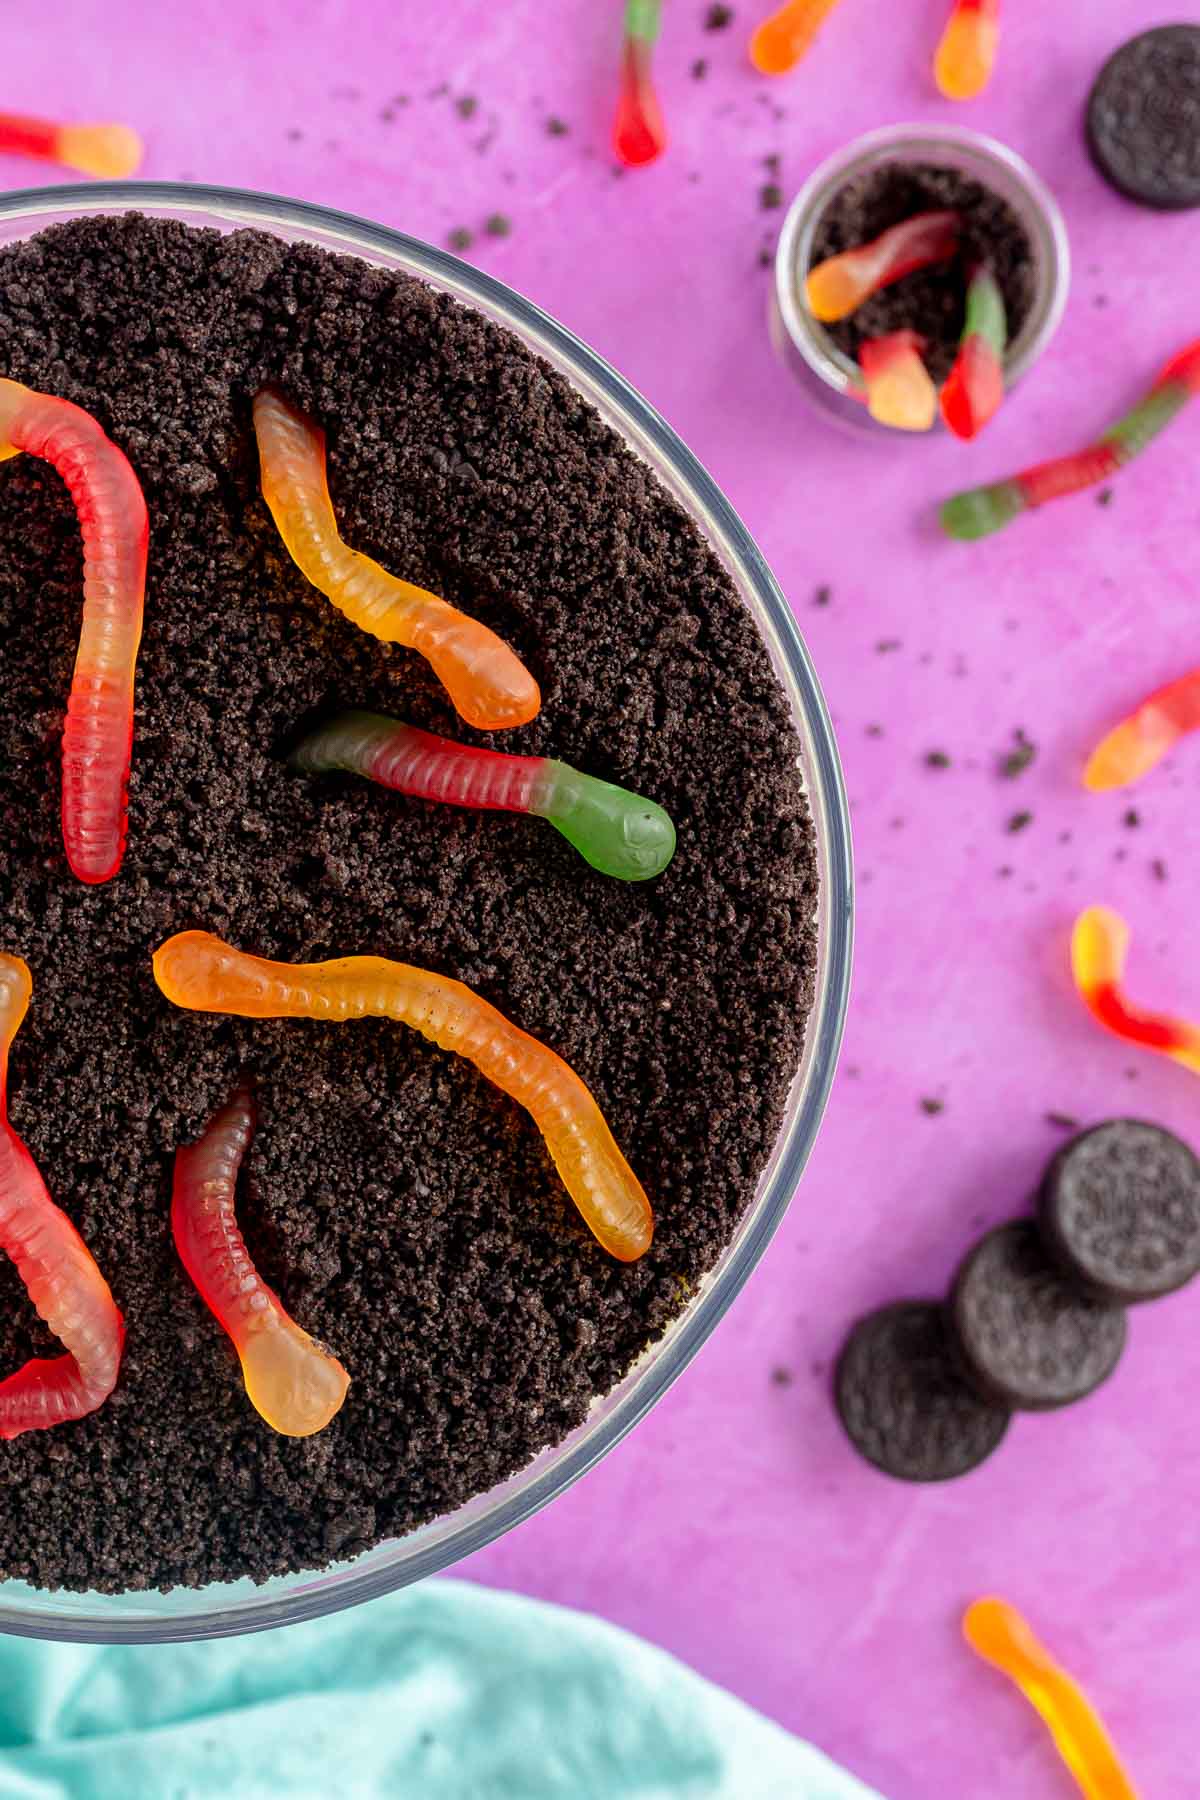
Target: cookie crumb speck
[[1014, 762], [460, 238], [823, 595], [781, 1377], [700, 68], [1062, 1121], [932, 1106], [718, 18], [498, 225], [556, 127], [1131, 818], [1158, 869], [937, 759], [770, 196], [1019, 821], [466, 106], [1104, 497]]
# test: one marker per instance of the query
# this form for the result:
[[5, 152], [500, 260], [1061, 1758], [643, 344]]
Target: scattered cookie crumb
[[1018, 822], [1014, 762], [1104, 497], [718, 18], [1062, 1121], [466, 106], [937, 759], [770, 196], [931, 1106], [498, 225], [700, 68], [885, 646], [781, 1377], [823, 595], [1131, 819], [556, 127], [1158, 869], [460, 238], [874, 731]]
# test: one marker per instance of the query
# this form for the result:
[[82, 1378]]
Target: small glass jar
[[826, 373]]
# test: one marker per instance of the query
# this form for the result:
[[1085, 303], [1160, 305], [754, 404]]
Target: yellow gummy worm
[[489, 684], [198, 971]]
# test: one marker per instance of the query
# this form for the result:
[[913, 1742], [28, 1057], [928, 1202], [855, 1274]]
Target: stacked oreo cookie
[[1036, 1317]]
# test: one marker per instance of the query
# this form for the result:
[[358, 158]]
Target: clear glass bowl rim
[[225, 1610], [984, 157]]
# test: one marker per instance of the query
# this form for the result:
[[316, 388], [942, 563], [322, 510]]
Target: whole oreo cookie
[[1120, 1211], [1031, 1338], [1143, 118], [903, 1399]]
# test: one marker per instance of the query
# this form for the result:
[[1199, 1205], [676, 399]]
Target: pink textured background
[[735, 1527]]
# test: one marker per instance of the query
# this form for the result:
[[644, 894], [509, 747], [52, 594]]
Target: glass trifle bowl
[[228, 1608]]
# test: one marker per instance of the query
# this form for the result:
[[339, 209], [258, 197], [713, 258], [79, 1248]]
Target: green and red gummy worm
[[975, 385], [617, 832], [983, 510], [639, 134]]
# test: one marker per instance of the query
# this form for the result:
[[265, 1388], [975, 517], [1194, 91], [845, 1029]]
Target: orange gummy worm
[[784, 39], [111, 151], [1133, 747], [1099, 948], [290, 1379], [198, 971], [58, 1270], [997, 1632], [98, 734], [490, 686], [966, 54], [836, 287]]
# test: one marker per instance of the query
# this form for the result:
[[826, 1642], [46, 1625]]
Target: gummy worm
[[786, 37], [1133, 747], [198, 971], [639, 134], [1099, 947], [997, 1632], [489, 685], [98, 734], [975, 385], [294, 1383], [617, 832], [111, 151], [966, 54], [982, 510], [60, 1275], [840, 284], [900, 391]]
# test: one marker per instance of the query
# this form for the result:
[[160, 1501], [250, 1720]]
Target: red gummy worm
[[98, 735], [59, 1272], [295, 1384]]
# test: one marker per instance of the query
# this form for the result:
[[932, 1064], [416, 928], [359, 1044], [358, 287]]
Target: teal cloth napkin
[[444, 1692]]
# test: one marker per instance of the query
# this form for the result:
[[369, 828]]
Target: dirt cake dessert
[[394, 1203], [932, 299]]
